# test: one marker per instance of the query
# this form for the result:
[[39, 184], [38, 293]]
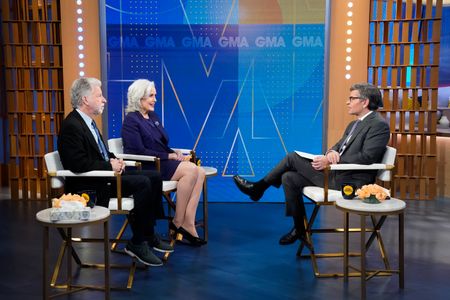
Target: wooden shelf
[[33, 44], [34, 67], [405, 66], [32, 48], [409, 88], [413, 126], [405, 20], [443, 132], [32, 21]]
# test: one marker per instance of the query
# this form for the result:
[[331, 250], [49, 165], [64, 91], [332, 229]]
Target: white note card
[[307, 155]]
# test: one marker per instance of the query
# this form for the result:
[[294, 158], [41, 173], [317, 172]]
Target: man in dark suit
[[364, 142], [82, 149]]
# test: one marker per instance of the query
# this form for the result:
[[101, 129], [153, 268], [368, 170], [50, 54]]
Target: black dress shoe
[[248, 188], [290, 237]]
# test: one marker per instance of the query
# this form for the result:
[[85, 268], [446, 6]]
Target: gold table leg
[[363, 257], [401, 250], [69, 258], [45, 288], [107, 266], [346, 237]]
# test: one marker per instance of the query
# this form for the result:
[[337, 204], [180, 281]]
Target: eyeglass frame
[[351, 98]]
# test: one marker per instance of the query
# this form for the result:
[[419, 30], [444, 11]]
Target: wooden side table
[[382, 210], [98, 215], [210, 172]]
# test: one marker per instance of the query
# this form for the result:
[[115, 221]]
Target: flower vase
[[371, 200], [443, 121]]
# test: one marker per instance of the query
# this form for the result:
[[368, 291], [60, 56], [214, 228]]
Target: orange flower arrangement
[[371, 191], [83, 199]]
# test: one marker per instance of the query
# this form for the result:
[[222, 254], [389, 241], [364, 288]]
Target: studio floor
[[242, 259]]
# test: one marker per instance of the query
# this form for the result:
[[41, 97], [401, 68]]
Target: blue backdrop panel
[[241, 95]]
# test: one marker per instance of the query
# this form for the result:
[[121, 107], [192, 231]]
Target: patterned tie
[[344, 144], [100, 143]]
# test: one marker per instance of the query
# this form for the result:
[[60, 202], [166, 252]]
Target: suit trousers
[[146, 188], [294, 172]]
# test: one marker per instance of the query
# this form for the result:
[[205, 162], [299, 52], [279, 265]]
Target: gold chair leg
[[119, 235], [205, 210], [308, 225], [74, 256], [62, 251], [178, 237], [376, 233]]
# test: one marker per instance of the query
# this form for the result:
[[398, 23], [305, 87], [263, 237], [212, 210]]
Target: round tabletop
[[210, 171], [390, 206], [98, 213]]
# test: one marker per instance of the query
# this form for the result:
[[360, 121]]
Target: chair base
[[62, 253], [375, 234]]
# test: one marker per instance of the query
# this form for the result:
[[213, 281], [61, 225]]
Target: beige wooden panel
[[443, 166], [418, 9], [409, 9], [429, 9], [436, 52]]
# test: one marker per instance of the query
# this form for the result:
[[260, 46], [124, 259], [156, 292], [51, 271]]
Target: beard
[[99, 110]]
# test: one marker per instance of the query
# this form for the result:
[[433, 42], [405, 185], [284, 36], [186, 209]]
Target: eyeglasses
[[351, 98]]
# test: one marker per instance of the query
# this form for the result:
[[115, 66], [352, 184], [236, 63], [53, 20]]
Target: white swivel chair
[[325, 196]]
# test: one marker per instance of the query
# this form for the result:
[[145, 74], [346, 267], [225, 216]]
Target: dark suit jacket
[[79, 152], [366, 146]]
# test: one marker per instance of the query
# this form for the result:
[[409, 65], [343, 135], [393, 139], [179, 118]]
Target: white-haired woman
[[143, 133]]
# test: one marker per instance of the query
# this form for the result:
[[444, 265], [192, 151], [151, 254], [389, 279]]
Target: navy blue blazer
[[148, 137]]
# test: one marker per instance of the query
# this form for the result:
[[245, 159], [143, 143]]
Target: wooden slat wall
[[404, 63], [34, 90]]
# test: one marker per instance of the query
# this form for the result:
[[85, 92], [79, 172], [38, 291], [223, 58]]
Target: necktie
[[100, 143], [344, 144]]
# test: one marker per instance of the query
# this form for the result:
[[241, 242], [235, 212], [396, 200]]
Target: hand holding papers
[[307, 155]]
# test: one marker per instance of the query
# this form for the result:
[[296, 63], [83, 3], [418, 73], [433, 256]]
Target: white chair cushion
[[127, 204], [315, 193], [169, 185]]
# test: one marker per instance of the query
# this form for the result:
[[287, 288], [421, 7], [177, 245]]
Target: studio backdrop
[[239, 81]]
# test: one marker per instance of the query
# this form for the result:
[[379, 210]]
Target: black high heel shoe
[[193, 241]]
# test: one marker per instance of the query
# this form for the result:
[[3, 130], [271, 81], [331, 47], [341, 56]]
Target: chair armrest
[[131, 163], [137, 157], [183, 151], [67, 173], [340, 167]]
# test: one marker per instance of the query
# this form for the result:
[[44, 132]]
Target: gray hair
[[139, 89], [370, 92], [82, 87]]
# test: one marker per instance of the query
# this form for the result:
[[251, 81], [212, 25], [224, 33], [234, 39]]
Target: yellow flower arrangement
[[372, 193]]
